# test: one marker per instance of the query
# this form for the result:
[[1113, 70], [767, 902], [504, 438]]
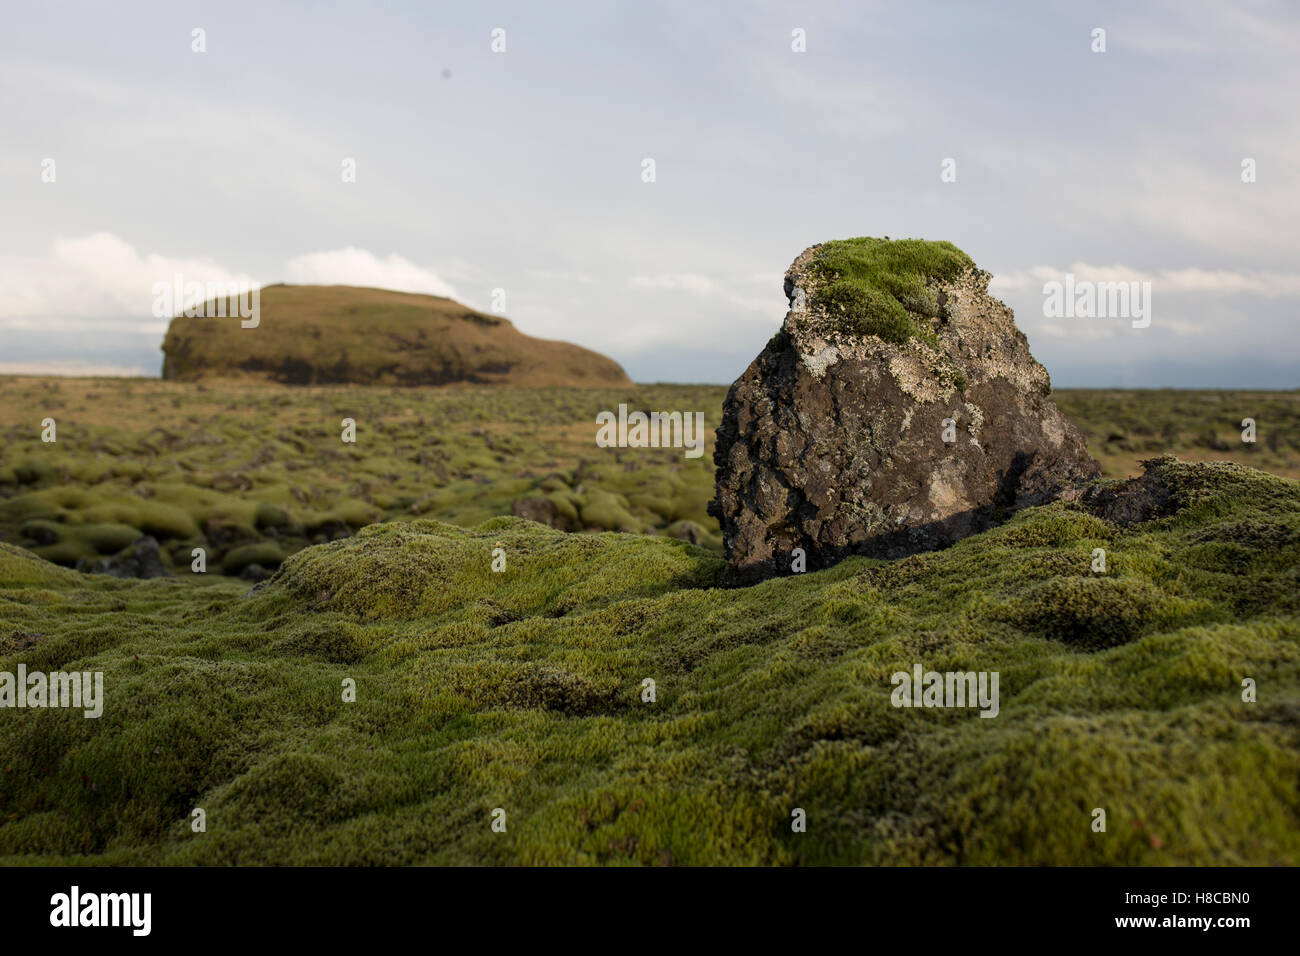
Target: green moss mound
[[266, 554], [422, 568], [21, 568], [1090, 612], [880, 286]]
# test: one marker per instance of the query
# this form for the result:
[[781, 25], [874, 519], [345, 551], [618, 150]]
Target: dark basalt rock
[[1144, 498], [833, 440], [138, 560]]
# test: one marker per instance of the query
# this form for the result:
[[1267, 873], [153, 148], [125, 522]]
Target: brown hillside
[[335, 334]]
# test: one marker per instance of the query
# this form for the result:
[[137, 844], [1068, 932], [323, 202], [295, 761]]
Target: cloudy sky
[[522, 170]]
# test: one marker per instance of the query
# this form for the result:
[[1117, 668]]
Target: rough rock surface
[[833, 440], [138, 560], [1144, 498]]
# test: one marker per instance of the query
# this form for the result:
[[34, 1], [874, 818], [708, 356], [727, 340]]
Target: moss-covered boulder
[[897, 410]]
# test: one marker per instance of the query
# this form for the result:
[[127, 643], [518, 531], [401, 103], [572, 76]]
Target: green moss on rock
[[880, 287]]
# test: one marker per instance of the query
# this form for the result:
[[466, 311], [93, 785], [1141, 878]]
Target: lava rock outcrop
[[897, 410]]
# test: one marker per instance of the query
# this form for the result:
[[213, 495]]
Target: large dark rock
[[897, 410]]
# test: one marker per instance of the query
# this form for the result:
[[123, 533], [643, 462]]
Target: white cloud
[[1207, 28], [840, 105], [1192, 281], [1077, 333], [101, 282], [552, 276], [98, 276], [678, 282], [705, 287], [352, 266]]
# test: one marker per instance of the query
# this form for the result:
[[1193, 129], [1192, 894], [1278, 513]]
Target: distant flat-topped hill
[[316, 335]]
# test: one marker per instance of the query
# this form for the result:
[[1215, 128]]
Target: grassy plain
[[259, 471]]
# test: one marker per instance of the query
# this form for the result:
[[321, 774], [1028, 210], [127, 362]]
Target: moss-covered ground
[[1124, 426], [253, 473], [522, 690]]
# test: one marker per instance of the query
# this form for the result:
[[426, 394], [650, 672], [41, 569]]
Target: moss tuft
[[881, 287], [1089, 612], [265, 553]]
